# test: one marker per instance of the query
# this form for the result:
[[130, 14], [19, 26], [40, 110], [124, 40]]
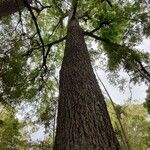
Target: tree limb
[[53, 43], [37, 27], [49, 48], [107, 41], [96, 37], [102, 24]]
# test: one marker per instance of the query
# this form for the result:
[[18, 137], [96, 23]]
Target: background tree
[[147, 100], [10, 135], [136, 124]]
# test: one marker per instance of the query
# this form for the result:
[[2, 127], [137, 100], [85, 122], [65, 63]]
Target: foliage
[[136, 125], [147, 101], [11, 136], [31, 55], [47, 144]]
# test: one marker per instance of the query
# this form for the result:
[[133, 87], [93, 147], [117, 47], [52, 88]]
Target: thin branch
[[60, 22], [49, 48], [85, 16], [36, 25], [142, 74], [101, 25], [46, 45], [142, 68], [53, 43], [130, 88], [55, 28], [42, 6], [96, 37]]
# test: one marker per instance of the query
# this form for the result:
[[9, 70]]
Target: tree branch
[[143, 69], [49, 48], [74, 5], [36, 25], [101, 25], [107, 41], [96, 37], [53, 43]]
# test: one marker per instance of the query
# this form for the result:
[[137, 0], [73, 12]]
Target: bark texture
[[83, 122]]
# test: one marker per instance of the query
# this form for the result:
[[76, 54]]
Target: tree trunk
[[83, 122]]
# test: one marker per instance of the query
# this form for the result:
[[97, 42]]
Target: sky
[[138, 91]]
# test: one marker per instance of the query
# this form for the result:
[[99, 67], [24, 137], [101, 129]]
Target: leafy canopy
[[32, 44]]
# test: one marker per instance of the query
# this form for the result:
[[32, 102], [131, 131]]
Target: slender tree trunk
[[83, 122]]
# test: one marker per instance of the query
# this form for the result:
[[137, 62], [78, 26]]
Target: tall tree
[[79, 90], [83, 120]]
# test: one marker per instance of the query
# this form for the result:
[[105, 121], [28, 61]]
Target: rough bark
[[83, 122]]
